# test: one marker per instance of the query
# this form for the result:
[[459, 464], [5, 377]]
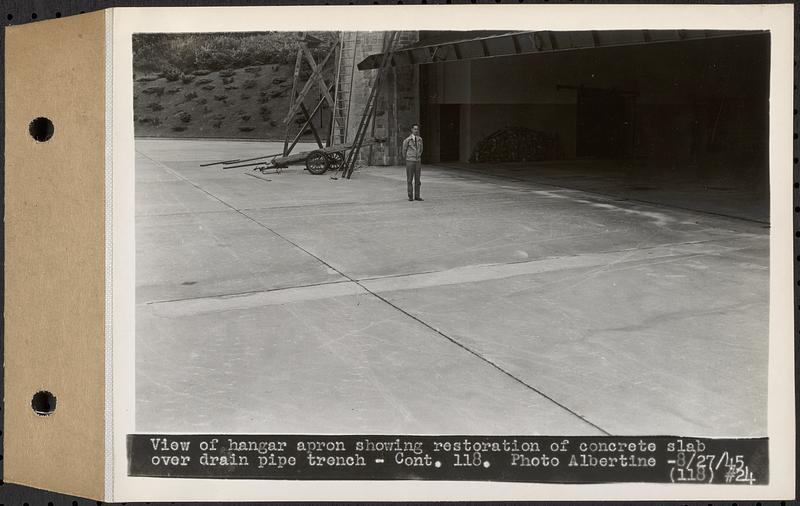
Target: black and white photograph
[[575, 224], [497, 251], [447, 232]]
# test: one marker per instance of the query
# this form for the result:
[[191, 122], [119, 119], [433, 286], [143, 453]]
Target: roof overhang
[[518, 43]]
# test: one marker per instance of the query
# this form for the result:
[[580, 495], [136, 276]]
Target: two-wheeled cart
[[318, 161], [342, 156]]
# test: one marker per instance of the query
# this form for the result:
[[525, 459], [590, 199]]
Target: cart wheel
[[335, 160], [317, 162]]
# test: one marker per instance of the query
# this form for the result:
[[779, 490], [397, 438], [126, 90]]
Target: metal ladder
[[348, 42], [369, 108]]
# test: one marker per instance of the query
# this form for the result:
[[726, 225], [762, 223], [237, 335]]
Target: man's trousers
[[413, 169]]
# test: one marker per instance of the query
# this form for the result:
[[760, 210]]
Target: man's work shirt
[[412, 148]]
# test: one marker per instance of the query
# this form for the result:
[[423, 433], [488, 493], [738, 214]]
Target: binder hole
[[43, 403], [34, 15], [10, 17], [41, 129]]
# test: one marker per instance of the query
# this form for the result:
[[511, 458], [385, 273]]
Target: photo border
[[123, 22]]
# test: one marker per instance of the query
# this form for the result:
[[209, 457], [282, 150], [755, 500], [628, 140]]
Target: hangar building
[[642, 107]]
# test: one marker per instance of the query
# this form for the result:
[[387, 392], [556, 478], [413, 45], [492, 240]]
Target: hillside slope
[[245, 103]]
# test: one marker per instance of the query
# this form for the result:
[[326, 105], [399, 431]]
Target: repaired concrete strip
[[459, 275]]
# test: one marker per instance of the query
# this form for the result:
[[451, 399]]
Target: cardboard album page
[[402, 252], [55, 264]]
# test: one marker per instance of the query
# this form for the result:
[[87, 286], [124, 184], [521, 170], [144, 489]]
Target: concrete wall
[[398, 102]]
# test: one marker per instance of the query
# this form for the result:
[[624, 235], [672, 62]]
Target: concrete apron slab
[[402, 238], [655, 344], [743, 198], [542, 323], [247, 189], [343, 364], [209, 254], [210, 150], [492, 307]]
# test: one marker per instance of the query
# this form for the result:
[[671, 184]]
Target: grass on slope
[[245, 103]]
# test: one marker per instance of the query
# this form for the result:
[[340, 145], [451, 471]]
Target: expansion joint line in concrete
[[488, 361], [248, 292], [434, 329], [386, 301]]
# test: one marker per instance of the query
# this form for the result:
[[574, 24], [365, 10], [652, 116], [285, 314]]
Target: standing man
[[412, 152]]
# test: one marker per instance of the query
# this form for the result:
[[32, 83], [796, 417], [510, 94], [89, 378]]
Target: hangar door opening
[[605, 123], [449, 132], [671, 118]]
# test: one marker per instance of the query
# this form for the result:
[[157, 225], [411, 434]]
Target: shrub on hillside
[[154, 90], [155, 121], [172, 73]]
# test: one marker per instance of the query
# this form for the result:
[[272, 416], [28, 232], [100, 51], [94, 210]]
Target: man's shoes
[[417, 198], [410, 199]]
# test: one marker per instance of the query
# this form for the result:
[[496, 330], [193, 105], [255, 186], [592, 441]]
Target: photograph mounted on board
[[453, 232]]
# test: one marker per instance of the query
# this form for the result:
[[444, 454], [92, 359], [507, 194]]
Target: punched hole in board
[[41, 129], [43, 403]]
